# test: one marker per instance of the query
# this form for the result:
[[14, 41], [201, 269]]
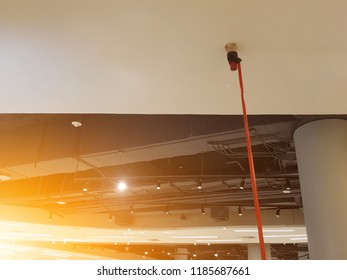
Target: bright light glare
[[61, 202], [122, 186]]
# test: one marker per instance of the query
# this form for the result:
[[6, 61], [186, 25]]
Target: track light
[[158, 185], [242, 184], [110, 217], [288, 187], [167, 210], [203, 210], [200, 185], [131, 209], [278, 212], [50, 216], [239, 211]]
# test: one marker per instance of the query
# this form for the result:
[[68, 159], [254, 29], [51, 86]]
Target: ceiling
[[187, 177], [150, 83], [168, 57]]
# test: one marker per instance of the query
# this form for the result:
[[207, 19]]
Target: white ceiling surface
[[159, 56]]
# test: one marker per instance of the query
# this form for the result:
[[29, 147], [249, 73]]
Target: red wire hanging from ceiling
[[235, 63]]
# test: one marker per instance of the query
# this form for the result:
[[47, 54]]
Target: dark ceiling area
[[169, 162]]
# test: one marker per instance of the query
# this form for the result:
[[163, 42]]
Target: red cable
[[251, 168]]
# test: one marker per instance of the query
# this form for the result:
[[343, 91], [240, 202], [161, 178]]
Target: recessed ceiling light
[[76, 123], [61, 202], [286, 191], [85, 189]]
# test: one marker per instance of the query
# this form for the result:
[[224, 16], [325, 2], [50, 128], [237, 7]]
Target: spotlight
[[158, 185], [242, 184], [166, 211], [239, 211], [131, 209], [122, 186], [278, 212], [50, 216], [288, 187], [110, 217], [203, 210], [200, 185]]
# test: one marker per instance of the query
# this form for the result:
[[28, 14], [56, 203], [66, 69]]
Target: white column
[[181, 254], [321, 149], [254, 251]]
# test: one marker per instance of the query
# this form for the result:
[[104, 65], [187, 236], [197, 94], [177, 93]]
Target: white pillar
[[254, 251], [181, 254], [321, 149]]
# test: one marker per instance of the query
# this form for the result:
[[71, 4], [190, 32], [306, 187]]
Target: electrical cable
[[235, 64], [251, 167]]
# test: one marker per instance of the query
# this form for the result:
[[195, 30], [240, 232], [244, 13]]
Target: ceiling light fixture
[[194, 236], [239, 211], [60, 202], [50, 217], [76, 123], [131, 209], [110, 217], [218, 240], [158, 185], [203, 210], [278, 210], [200, 185], [166, 211], [287, 188], [85, 189], [299, 238], [285, 235], [242, 184], [265, 230], [122, 186]]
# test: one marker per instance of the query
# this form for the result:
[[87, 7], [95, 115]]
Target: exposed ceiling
[[185, 174]]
